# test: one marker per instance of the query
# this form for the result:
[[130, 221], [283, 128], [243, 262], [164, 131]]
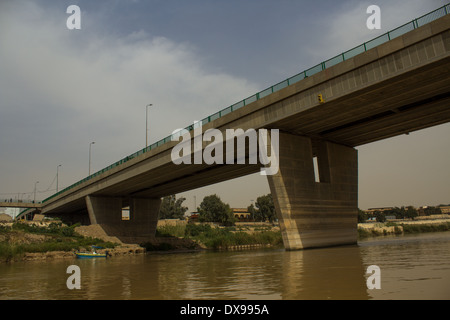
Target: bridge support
[[315, 212], [107, 212]]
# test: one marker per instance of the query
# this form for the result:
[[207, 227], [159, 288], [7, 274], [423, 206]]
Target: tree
[[362, 216], [432, 210], [172, 208], [212, 209], [265, 208], [411, 212], [379, 216], [252, 211]]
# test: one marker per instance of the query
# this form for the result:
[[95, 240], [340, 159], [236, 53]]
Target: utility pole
[[90, 156], [57, 177], [35, 191]]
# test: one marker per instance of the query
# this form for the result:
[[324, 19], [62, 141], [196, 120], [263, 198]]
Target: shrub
[[195, 230], [171, 231]]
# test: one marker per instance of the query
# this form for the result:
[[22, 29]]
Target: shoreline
[[172, 244], [399, 227]]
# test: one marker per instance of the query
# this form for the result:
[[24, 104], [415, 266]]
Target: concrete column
[[315, 213], [107, 212], [144, 216]]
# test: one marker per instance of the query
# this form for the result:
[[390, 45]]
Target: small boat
[[82, 255], [92, 254]]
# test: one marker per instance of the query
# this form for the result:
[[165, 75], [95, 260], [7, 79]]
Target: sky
[[61, 89]]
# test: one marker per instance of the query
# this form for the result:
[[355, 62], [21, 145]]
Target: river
[[411, 267]]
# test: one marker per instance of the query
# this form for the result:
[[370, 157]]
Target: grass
[[57, 238], [171, 231]]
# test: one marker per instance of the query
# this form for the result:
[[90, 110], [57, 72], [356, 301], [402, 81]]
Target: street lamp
[[35, 191], [146, 124], [57, 177], [90, 156]]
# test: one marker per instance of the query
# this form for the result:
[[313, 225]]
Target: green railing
[[431, 16]]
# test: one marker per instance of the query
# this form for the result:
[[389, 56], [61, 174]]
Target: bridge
[[394, 84], [20, 204]]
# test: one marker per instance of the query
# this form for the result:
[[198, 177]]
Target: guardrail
[[418, 22]]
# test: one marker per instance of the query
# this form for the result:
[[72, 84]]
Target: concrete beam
[[315, 213]]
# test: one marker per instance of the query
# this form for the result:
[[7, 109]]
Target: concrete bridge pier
[[107, 212], [315, 211]]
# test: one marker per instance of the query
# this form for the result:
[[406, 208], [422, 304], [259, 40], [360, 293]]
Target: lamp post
[[90, 156], [57, 177], [35, 191], [146, 124]]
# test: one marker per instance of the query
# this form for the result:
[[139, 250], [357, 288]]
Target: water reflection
[[411, 268], [330, 273]]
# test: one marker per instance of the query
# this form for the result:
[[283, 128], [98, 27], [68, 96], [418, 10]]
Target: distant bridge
[[20, 204]]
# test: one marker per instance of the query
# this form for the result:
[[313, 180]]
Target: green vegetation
[[213, 237], [23, 238], [172, 208], [224, 237], [265, 209], [403, 228], [408, 212], [171, 231], [418, 228], [362, 216], [213, 209]]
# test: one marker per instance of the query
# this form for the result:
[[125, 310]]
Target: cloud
[[61, 89], [345, 27]]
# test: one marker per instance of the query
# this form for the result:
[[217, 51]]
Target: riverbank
[[249, 235], [373, 229], [28, 241]]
